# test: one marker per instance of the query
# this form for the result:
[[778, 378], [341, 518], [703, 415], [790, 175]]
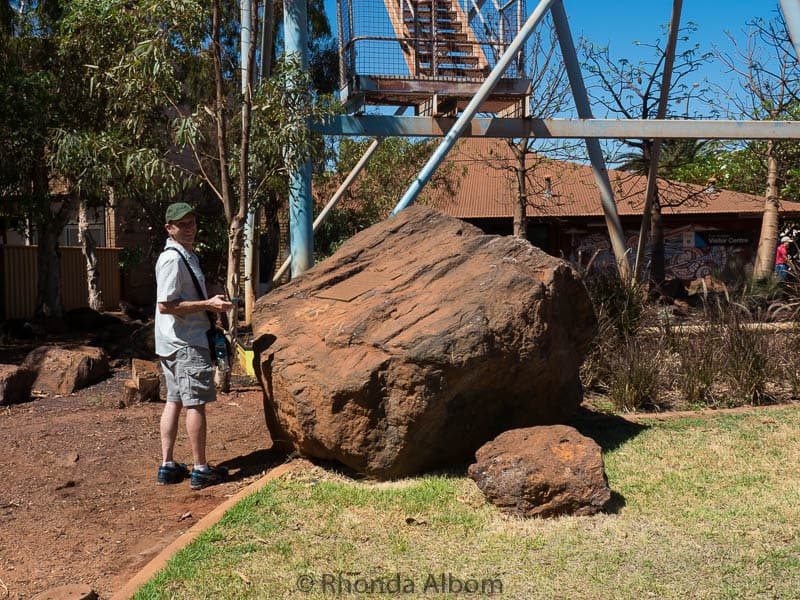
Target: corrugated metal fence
[[18, 276]]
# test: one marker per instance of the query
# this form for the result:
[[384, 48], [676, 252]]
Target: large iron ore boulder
[[417, 342]]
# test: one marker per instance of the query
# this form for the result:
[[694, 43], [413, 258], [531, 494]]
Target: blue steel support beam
[[469, 112], [791, 14], [572, 65], [301, 214], [351, 177], [386, 125]]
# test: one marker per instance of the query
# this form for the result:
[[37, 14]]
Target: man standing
[[182, 319], [781, 258]]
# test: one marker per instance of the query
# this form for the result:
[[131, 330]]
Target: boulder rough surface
[[542, 472], [64, 370], [420, 339]]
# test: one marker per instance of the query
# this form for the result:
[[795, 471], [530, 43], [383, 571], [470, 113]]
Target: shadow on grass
[[609, 431]]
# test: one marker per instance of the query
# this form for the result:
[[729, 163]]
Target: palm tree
[[675, 153]]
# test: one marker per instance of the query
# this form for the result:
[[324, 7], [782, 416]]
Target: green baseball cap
[[178, 210]]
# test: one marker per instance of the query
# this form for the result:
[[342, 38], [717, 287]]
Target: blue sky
[[619, 23]]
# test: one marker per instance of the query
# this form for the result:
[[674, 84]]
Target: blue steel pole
[[592, 145], [301, 214], [791, 14], [463, 121]]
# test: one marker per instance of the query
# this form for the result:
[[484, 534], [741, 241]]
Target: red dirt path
[[78, 498]]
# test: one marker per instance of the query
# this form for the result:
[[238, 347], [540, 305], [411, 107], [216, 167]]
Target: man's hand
[[181, 308], [218, 304]]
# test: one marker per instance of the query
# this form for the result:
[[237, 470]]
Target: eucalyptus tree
[[32, 104], [174, 114]]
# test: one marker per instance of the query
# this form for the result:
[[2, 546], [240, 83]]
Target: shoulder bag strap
[[199, 289]]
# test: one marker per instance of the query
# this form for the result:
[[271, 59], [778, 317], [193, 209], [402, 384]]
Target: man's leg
[[170, 471], [169, 429], [196, 428]]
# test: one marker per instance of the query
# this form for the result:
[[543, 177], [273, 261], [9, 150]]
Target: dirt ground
[[79, 502]]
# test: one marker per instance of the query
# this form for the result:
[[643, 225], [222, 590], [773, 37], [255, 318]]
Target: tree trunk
[[271, 239], [50, 220], [657, 266], [89, 247], [48, 262], [222, 378], [226, 188], [768, 241], [520, 206], [236, 229]]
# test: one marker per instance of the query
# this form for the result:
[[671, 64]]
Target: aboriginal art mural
[[689, 253]]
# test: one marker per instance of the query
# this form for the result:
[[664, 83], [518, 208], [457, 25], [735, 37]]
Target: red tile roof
[[488, 188]]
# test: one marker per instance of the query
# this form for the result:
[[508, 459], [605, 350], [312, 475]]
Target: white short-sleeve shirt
[[173, 282]]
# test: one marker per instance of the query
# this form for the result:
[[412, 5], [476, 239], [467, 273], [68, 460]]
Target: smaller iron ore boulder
[[542, 471]]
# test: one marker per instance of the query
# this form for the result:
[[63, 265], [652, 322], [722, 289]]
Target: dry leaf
[[245, 579]]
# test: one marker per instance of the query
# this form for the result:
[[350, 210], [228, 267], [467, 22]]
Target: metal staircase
[[430, 54], [441, 45]]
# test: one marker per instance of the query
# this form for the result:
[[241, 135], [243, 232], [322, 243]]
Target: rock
[[15, 384], [130, 394], [418, 341], [64, 370], [68, 592], [707, 285], [142, 342], [144, 374], [83, 319], [20, 329], [135, 313], [68, 459], [671, 289], [542, 472], [52, 325]]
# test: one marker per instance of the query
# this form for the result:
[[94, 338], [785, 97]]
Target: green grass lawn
[[705, 507]]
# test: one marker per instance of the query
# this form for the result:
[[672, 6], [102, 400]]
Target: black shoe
[[172, 474], [201, 479]]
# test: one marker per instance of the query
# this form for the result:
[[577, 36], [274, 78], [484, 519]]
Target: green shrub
[[787, 360], [698, 365], [746, 361], [619, 306], [635, 375]]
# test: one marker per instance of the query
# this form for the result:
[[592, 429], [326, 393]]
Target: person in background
[[182, 318], [782, 257]]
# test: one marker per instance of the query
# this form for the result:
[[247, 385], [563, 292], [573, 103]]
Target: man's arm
[[181, 308]]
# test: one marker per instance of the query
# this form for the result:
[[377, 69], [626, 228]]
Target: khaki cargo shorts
[[190, 376]]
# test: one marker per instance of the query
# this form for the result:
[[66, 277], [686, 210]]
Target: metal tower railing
[[405, 51]]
